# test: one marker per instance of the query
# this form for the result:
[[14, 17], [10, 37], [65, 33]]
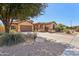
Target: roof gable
[[25, 23]]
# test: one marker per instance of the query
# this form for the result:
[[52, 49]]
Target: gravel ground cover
[[41, 47], [46, 44]]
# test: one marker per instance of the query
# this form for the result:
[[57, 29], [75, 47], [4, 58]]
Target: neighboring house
[[29, 26], [44, 27]]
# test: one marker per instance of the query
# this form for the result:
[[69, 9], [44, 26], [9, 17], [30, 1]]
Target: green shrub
[[1, 33], [35, 35], [31, 36], [59, 28], [19, 37], [11, 39], [67, 31]]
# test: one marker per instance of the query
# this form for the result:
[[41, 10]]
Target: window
[[13, 27]]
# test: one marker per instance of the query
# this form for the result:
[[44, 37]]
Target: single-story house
[[22, 26], [44, 27], [29, 26]]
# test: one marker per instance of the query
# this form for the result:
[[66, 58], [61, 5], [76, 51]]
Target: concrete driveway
[[57, 37]]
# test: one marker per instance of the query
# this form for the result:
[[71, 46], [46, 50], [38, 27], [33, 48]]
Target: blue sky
[[61, 13]]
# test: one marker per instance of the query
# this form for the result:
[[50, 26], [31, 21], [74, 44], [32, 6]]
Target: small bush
[[11, 39], [59, 28], [1, 33], [35, 35], [31, 36], [19, 37], [67, 31], [13, 31]]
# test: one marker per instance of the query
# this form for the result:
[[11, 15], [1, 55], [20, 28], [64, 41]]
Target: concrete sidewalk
[[75, 41], [73, 49]]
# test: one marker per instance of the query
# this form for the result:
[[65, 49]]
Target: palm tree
[[21, 11]]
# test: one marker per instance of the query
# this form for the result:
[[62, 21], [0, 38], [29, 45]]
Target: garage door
[[24, 28]]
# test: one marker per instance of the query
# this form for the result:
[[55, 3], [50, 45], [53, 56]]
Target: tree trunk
[[7, 23], [6, 28]]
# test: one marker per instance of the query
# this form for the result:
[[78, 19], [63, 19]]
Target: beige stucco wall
[[37, 26], [25, 24]]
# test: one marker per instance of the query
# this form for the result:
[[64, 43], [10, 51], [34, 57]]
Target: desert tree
[[21, 11]]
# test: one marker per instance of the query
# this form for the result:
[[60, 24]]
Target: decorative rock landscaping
[[39, 48]]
